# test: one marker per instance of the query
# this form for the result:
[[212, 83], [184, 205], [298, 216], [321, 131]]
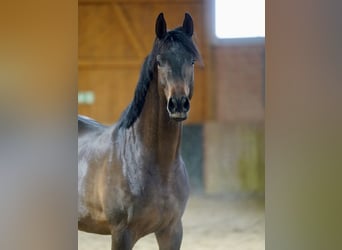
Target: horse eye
[[192, 61]]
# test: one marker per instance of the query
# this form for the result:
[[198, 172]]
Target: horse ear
[[188, 25], [160, 26]]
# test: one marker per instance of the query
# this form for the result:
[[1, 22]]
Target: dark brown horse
[[132, 180]]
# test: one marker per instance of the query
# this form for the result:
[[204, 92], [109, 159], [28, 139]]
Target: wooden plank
[[125, 23], [94, 64]]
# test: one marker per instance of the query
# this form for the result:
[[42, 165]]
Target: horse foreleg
[[122, 240], [171, 237]]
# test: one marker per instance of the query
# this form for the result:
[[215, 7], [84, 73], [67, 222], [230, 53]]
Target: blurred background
[[223, 139]]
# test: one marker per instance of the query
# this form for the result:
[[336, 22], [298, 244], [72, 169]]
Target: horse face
[[175, 65], [176, 79]]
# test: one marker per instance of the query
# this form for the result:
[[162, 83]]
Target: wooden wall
[[114, 38]]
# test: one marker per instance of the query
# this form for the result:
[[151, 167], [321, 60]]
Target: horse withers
[[132, 180]]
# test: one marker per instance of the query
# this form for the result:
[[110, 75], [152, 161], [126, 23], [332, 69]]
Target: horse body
[[132, 180]]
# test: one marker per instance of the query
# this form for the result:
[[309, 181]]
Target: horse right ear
[[188, 25], [160, 26]]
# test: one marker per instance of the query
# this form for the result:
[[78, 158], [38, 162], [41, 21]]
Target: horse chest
[[151, 215]]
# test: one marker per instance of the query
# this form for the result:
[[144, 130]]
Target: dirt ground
[[214, 223]]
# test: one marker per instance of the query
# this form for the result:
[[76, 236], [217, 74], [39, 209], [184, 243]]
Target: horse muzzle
[[178, 108]]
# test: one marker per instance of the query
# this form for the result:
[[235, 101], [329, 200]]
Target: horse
[[132, 180]]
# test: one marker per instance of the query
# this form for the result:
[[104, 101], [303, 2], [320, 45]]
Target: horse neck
[[159, 135]]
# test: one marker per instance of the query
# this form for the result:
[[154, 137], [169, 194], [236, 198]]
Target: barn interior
[[223, 138]]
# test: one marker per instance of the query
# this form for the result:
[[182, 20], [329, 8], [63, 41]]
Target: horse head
[[174, 58]]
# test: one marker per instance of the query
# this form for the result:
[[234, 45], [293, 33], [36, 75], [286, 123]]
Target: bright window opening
[[239, 18]]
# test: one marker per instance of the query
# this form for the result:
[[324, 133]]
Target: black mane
[[132, 112]]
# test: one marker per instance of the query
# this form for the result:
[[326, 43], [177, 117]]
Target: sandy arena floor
[[213, 223]]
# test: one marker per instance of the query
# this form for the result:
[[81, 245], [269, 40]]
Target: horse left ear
[[160, 26], [188, 25]]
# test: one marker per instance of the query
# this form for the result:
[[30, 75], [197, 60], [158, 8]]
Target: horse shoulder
[[94, 158]]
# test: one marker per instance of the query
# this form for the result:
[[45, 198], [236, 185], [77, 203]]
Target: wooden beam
[[126, 25], [96, 64]]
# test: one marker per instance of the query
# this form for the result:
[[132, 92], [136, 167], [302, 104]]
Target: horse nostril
[[185, 104], [172, 105], [178, 104]]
